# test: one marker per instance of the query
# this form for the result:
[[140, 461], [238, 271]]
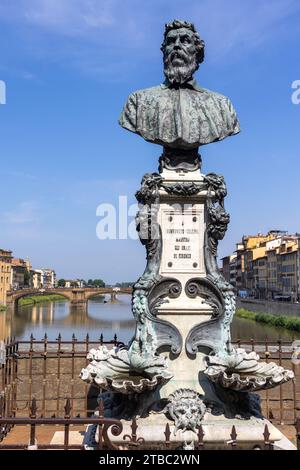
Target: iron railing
[[130, 441], [46, 373]]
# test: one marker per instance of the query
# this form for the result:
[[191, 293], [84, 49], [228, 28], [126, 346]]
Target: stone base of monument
[[217, 434], [181, 372]]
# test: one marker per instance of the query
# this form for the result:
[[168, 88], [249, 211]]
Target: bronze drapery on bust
[[178, 113]]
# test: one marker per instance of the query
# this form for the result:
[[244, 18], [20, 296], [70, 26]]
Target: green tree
[[98, 283], [61, 283], [124, 284]]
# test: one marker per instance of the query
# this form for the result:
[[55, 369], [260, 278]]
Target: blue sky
[[69, 66]]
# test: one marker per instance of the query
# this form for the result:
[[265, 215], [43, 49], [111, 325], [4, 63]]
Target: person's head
[[183, 51]]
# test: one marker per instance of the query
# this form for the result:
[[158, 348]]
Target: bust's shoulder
[[151, 91], [214, 95]]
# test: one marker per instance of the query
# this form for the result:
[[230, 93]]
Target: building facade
[[18, 273], [37, 278], [49, 278], [247, 252], [5, 274], [229, 269], [77, 283], [266, 266], [288, 268]]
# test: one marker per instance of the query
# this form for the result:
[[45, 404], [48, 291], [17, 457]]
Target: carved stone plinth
[[180, 367]]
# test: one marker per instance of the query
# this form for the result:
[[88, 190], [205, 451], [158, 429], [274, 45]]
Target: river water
[[102, 316]]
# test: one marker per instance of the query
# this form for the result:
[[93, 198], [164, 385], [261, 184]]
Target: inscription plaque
[[183, 240]]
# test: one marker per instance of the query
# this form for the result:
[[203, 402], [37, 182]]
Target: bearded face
[[180, 56]]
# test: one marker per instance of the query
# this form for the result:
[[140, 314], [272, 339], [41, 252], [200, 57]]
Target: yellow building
[[288, 268], [249, 250], [5, 326], [268, 266], [5, 274]]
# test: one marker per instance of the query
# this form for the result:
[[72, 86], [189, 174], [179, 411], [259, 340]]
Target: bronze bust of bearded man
[[178, 114]]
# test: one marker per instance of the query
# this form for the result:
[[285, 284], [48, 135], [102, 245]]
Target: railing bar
[[81, 342], [86, 387], [66, 436], [267, 354], [58, 373], [73, 373], [58, 421], [294, 392], [280, 386], [33, 410], [30, 369], [14, 385], [3, 377], [44, 374]]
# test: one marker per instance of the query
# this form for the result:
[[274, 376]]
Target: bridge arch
[[92, 295], [73, 295], [109, 291], [13, 297]]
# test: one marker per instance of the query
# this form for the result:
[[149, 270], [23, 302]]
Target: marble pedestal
[[183, 220], [180, 368]]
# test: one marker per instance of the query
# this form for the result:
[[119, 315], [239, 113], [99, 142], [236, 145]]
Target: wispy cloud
[[238, 26], [25, 213], [70, 16], [29, 76], [232, 21], [114, 28], [19, 174], [18, 72]]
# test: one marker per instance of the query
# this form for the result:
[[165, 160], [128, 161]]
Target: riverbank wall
[[275, 308], [38, 299]]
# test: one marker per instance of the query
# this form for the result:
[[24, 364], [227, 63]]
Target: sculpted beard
[[179, 74]]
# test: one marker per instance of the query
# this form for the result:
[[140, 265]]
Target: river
[[102, 316]]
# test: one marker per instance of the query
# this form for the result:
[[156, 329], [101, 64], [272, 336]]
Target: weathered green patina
[[181, 116], [179, 113]]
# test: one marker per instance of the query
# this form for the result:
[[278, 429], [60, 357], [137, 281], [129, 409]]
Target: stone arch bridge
[[74, 295]]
